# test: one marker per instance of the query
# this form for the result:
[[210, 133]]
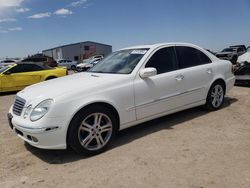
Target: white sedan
[[85, 111], [67, 63]]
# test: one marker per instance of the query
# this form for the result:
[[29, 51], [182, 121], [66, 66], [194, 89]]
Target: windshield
[[120, 62], [4, 68], [229, 50]]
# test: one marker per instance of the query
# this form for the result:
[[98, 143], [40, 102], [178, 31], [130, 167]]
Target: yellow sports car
[[15, 77]]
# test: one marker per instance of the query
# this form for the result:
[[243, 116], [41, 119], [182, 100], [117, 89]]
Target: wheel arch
[[100, 103], [50, 77], [221, 80]]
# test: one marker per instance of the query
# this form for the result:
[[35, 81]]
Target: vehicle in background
[[232, 53], [67, 63], [41, 58], [17, 76], [130, 86], [214, 53], [7, 62], [97, 57], [239, 46], [242, 68], [87, 64]]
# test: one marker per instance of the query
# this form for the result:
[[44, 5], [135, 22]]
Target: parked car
[[7, 62], [87, 64], [84, 111], [97, 57], [243, 47], [67, 63], [37, 58], [15, 77], [231, 53], [242, 68]]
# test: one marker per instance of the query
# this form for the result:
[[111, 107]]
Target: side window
[[240, 50], [164, 60], [25, 68], [190, 57], [33, 67], [18, 69]]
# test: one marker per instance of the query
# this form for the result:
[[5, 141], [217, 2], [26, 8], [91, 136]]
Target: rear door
[[195, 74]]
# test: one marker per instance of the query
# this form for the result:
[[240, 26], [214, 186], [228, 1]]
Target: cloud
[[3, 31], [7, 20], [63, 12], [10, 3], [78, 3], [15, 29], [21, 10], [40, 15]]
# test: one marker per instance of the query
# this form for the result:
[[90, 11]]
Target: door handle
[[179, 77], [209, 71]]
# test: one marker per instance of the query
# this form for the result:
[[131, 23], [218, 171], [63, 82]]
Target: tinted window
[[164, 60], [25, 68], [240, 50], [189, 57]]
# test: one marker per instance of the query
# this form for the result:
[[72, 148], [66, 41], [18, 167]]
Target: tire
[[234, 60], [92, 130], [73, 67], [50, 78], [215, 97]]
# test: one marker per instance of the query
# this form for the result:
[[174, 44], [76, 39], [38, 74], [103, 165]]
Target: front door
[[160, 93]]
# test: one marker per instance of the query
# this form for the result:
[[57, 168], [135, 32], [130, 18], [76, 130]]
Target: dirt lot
[[193, 148]]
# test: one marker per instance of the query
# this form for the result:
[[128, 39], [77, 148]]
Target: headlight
[[40, 110], [27, 112]]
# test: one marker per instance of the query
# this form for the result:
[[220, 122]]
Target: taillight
[[233, 68]]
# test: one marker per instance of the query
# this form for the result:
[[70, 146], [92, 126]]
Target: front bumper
[[51, 136]]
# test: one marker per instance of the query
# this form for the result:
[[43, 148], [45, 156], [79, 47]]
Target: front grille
[[18, 106]]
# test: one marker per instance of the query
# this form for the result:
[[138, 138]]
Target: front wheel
[[215, 97], [92, 130], [73, 67]]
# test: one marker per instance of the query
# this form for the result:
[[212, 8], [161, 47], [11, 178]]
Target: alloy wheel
[[95, 131]]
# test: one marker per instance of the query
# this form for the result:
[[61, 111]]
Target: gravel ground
[[193, 148]]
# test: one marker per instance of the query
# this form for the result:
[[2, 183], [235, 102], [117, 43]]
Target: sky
[[30, 26]]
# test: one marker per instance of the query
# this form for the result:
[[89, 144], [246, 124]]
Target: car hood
[[80, 82], [244, 57], [82, 64]]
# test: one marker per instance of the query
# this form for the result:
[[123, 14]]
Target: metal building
[[78, 51]]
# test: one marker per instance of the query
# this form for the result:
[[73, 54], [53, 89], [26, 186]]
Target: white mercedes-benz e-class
[[84, 111]]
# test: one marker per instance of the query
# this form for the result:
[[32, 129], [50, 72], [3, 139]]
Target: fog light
[[34, 139]]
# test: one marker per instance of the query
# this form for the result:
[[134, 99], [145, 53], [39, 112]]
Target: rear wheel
[[73, 67], [50, 78], [234, 60], [92, 130], [215, 97]]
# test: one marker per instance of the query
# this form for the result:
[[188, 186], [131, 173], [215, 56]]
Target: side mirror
[[148, 72], [7, 73]]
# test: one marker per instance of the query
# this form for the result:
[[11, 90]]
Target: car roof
[[160, 45]]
